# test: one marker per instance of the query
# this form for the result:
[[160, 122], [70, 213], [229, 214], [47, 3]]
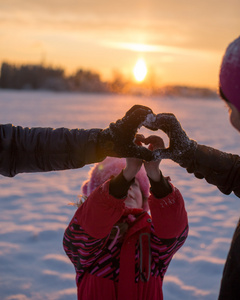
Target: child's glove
[[118, 139], [181, 149]]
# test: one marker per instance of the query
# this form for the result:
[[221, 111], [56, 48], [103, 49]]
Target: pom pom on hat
[[230, 73], [112, 166]]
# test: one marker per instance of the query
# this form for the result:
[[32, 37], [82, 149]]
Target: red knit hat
[[230, 73], [112, 166]]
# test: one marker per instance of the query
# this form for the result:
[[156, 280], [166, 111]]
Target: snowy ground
[[34, 208]]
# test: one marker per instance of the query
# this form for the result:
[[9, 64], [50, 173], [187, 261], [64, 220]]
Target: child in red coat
[[119, 251]]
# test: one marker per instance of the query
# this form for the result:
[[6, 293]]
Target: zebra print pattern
[[93, 256]]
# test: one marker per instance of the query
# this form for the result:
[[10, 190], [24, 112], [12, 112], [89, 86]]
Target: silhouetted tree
[[87, 81], [27, 76]]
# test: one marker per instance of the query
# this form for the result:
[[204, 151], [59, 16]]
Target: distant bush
[[86, 81]]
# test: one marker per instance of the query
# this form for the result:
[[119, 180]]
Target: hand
[[118, 139], [152, 167], [181, 148], [133, 165]]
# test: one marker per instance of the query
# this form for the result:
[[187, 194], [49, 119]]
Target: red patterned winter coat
[[130, 269]]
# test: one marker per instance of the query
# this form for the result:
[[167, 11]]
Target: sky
[[181, 42]]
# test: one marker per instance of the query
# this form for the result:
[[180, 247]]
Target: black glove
[[218, 168], [118, 139], [181, 149]]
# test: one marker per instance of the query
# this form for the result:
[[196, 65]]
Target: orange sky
[[182, 42]]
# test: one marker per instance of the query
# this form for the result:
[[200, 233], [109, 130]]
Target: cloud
[[201, 24], [154, 48]]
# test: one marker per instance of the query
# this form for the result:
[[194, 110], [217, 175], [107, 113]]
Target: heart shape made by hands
[[180, 149]]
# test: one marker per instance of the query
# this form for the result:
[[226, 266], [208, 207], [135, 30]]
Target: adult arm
[[218, 168], [47, 149]]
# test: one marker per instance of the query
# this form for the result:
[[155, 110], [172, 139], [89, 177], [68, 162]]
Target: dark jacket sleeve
[[119, 186], [218, 168], [45, 149]]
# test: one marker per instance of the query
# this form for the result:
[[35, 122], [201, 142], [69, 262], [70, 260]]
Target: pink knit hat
[[230, 73], [112, 166]]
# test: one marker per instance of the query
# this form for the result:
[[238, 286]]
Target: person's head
[[229, 81], [111, 166]]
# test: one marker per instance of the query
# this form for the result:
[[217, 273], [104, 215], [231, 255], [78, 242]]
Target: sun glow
[[140, 70]]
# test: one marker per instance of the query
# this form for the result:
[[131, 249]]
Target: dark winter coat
[[222, 170], [24, 150], [218, 168], [132, 268]]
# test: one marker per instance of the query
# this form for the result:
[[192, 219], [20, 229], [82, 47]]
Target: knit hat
[[230, 73], [112, 166]]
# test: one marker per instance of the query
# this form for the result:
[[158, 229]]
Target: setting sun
[[140, 70]]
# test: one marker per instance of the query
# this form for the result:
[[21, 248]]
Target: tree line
[[39, 77]]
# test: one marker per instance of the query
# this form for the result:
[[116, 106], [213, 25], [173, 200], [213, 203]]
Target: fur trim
[[109, 167]]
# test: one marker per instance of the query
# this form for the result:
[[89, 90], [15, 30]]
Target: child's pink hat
[[112, 166], [230, 73]]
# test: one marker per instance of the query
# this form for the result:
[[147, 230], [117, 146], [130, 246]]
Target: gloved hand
[[181, 149], [118, 139]]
